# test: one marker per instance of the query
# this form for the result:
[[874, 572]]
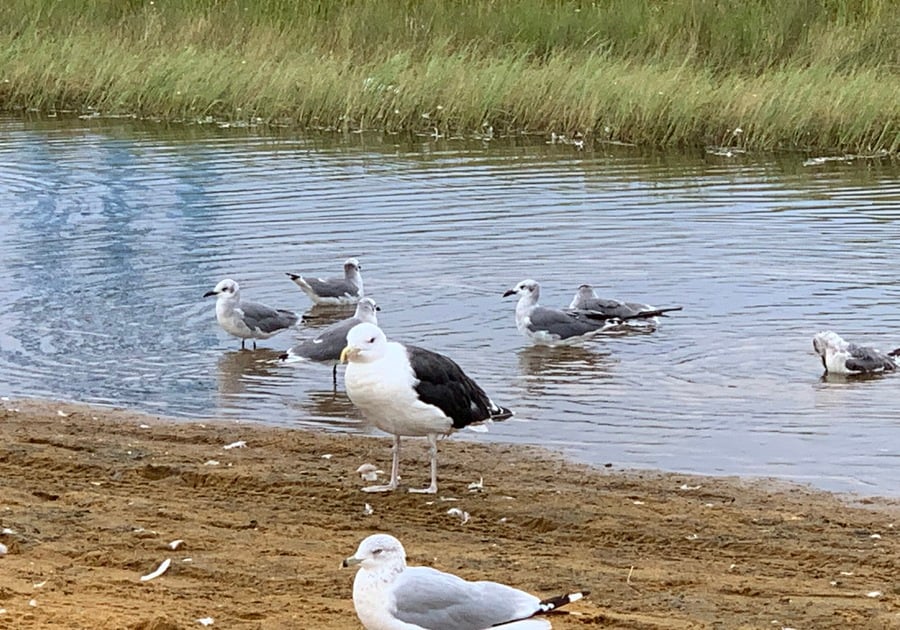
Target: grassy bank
[[821, 74]]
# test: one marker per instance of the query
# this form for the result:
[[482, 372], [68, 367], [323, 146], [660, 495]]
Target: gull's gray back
[[865, 359], [266, 318], [613, 308], [328, 344], [333, 288], [560, 323], [442, 601]]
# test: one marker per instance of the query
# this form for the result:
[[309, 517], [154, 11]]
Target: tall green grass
[[819, 74]]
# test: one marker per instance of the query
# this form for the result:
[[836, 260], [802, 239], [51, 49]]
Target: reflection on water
[[330, 404], [323, 316], [111, 234], [850, 379], [241, 370], [556, 365]]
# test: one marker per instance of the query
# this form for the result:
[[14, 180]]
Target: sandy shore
[[92, 497]]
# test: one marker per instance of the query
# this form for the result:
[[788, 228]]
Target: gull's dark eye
[[375, 552], [372, 340]]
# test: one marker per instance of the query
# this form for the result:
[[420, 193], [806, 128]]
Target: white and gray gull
[[248, 320], [552, 326], [409, 391], [586, 300], [333, 291], [840, 357], [326, 347], [390, 595]]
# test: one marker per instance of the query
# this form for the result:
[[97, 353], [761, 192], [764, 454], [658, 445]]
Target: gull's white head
[[586, 292], [365, 310], [351, 266], [828, 340], [526, 287], [226, 288], [378, 551], [365, 342]]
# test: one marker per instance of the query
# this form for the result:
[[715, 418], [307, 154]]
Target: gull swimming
[[326, 347], [390, 595], [551, 326], [840, 357], [410, 391], [630, 312], [333, 291], [248, 320]]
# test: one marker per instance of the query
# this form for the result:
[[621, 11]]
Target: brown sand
[[93, 496]]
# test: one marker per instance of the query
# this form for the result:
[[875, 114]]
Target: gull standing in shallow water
[[840, 357], [326, 347], [248, 320], [586, 300], [409, 391], [333, 291], [551, 326], [389, 595]]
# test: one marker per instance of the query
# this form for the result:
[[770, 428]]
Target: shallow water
[[113, 231]]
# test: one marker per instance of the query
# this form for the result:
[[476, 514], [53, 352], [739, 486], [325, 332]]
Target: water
[[112, 232]]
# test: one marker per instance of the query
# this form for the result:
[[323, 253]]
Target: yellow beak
[[347, 350]]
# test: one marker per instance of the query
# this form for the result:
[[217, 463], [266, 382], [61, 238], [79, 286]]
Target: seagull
[[551, 326], [840, 357], [248, 320], [389, 595], [586, 300], [333, 291], [327, 345], [409, 391]]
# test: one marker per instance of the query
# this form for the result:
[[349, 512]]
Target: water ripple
[[112, 234]]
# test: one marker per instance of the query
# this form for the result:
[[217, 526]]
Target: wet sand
[[91, 497]]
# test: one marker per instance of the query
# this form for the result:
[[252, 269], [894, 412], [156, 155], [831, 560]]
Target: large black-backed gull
[[248, 320], [409, 391], [389, 595]]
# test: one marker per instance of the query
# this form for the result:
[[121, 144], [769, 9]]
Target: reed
[[818, 74]]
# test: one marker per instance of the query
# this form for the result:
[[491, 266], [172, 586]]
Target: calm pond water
[[111, 233]]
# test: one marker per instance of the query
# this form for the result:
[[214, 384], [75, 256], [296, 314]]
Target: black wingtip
[[656, 312], [553, 603], [283, 356], [894, 353], [501, 413], [292, 276], [670, 309]]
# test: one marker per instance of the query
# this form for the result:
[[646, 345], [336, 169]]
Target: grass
[[816, 74]]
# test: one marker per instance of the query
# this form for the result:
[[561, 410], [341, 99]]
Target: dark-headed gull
[[248, 320]]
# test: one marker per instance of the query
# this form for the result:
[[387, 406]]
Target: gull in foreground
[[409, 391], [840, 357], [333, 291], [586, 300], [326, 347], [248, 320], [551, 326], [389, 595]]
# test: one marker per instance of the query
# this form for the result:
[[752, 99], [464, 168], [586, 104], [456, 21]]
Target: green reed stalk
[[817, 74]]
